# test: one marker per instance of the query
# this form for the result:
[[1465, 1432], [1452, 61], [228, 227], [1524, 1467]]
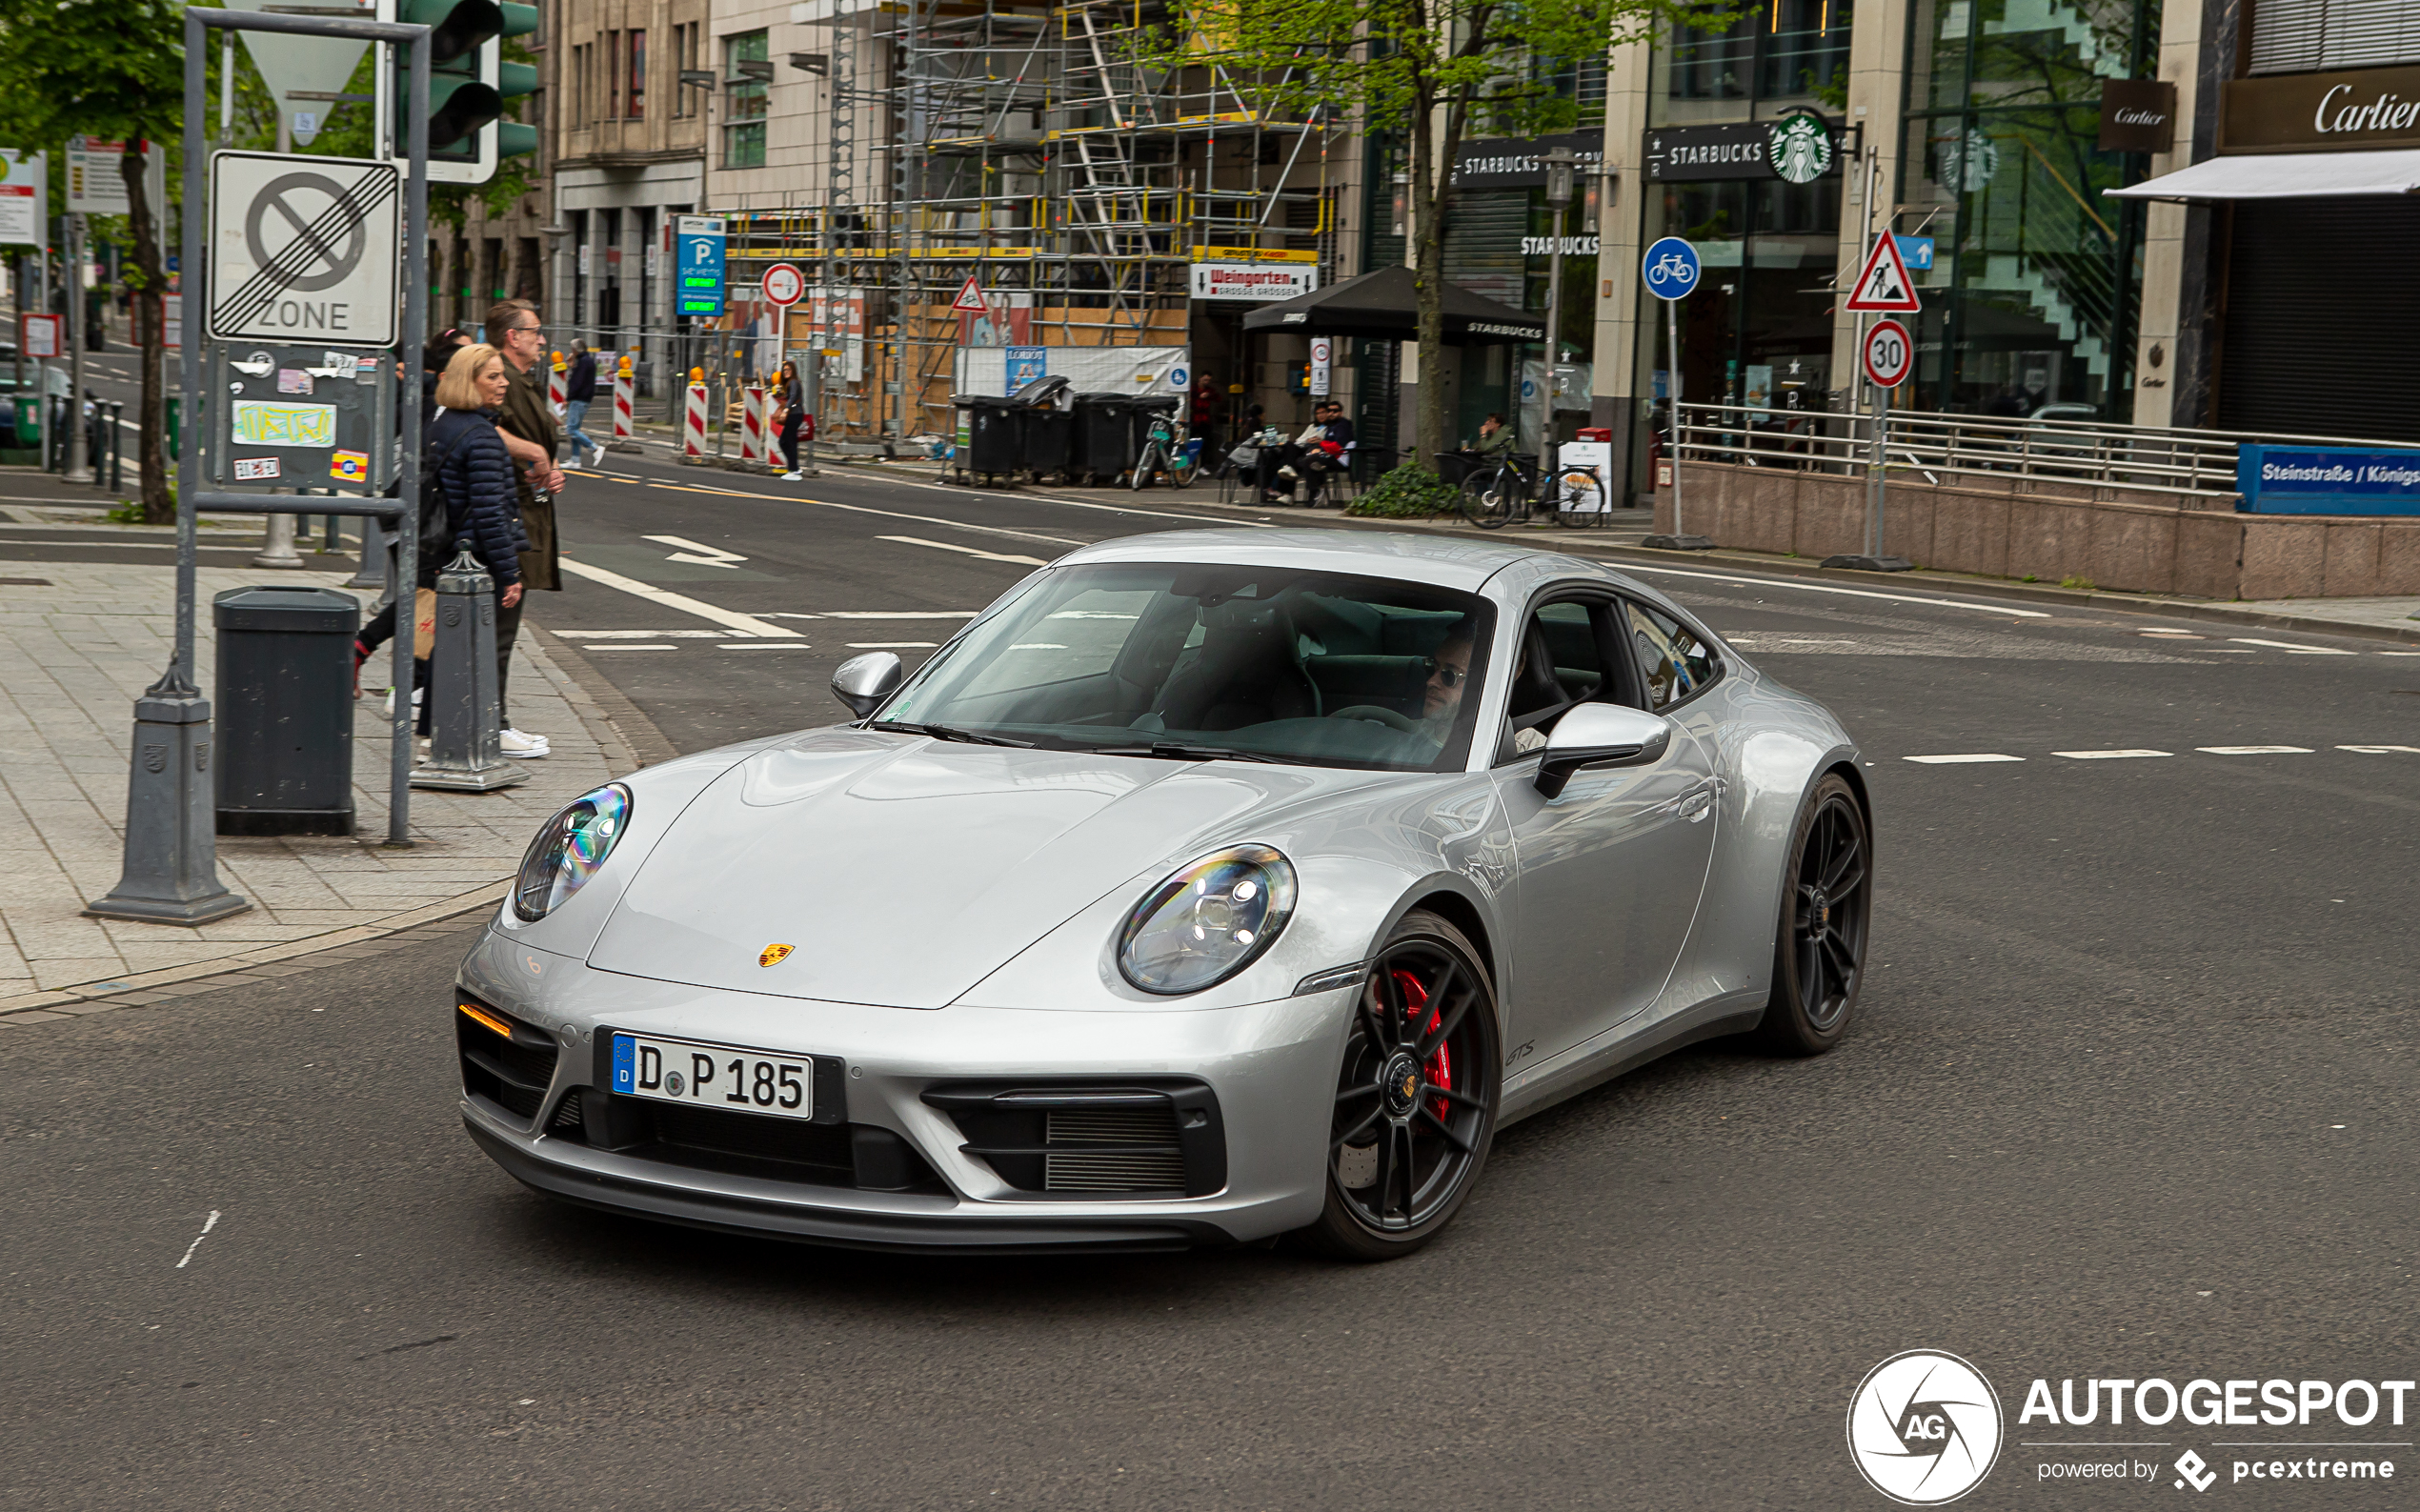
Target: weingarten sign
[[2326, 480]]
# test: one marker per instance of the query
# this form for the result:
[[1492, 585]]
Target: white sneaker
[[794, 477], [417, 694], [598, 460], [527, 747]]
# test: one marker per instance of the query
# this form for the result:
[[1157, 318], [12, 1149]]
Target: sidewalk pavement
[[75, 654]]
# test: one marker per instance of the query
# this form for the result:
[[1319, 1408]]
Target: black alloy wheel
[[1415, 1095], [1828, 903]]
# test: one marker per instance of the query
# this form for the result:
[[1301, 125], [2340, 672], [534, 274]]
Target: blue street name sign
[[1670, 269], [698, 241], [2326, 480]]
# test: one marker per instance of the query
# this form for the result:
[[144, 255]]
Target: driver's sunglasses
[[1450, 677]]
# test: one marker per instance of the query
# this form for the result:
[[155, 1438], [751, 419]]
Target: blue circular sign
[[1670, 268]]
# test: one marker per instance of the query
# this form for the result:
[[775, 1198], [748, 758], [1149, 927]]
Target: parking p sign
[[698, 240]]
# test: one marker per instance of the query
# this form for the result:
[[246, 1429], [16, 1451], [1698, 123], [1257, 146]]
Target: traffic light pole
[[171, 873]]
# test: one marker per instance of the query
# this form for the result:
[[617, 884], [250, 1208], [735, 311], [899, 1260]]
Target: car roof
[[1441, 562]]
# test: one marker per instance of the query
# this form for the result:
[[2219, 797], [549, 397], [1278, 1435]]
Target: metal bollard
[[118, 447], [170, 874], [465, 754]]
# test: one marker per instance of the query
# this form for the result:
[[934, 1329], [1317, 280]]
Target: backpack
[[437, 515]]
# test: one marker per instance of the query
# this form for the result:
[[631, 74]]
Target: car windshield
[[1188, 661]]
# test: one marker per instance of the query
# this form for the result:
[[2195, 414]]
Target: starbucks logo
[[1799, 146]]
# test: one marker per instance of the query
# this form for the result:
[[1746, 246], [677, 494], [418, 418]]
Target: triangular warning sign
[[970, 295], [1882, 284]]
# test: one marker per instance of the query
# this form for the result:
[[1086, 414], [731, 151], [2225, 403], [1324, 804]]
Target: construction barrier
[[751, 426], [693, 426], [558, 384], [625, 399]]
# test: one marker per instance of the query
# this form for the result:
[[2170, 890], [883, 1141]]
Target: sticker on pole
[[304, 249], [1889, 353], [1882, 284], [784, 286], [970, 296], [1670, 268]]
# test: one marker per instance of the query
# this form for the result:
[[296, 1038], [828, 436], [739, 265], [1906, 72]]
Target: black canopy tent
[[1384, 305]]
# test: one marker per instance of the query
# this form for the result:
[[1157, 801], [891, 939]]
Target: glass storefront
[[2031, 299]]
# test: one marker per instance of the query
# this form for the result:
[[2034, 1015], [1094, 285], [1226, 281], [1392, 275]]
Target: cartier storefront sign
[[2322, 113], [2137, 115]]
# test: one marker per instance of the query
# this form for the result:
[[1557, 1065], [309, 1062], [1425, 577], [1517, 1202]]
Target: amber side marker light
[[486, 1019]]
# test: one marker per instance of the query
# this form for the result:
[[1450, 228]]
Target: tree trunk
[[1428, 282], [159, 506]]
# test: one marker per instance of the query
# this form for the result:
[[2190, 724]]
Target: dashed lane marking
[[965, 551], [1964, 758], [2383, 750], [892, 645], [2109, 756], [2289, 646], [867, 508], [2004, 611], [2253, 750]]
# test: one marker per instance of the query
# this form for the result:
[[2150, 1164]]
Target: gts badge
[[1520, 1053]]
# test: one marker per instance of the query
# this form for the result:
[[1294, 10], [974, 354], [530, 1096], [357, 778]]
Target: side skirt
[[1732, 1013]]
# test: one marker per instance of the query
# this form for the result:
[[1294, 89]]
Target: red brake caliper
[[1439, 1069]]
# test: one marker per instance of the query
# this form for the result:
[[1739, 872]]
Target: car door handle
[[1699, 801]]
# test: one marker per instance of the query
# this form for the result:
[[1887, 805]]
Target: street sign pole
[[78, 468], [1883, 288], [1672, 268], [170, 874]]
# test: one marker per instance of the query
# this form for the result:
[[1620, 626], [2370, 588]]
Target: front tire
[[1827, 907], [1416, 1095]]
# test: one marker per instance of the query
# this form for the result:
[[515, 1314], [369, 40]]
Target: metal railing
[[2139, 459]]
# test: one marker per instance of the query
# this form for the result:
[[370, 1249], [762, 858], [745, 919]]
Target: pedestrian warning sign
[[970, 296], [1882, 284]]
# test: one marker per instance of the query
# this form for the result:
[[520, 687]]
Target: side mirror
[[864, 682], [1601, 734]]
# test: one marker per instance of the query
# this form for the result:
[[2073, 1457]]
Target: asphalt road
[[2130, 1096]]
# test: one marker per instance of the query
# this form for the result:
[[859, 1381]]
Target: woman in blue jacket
[[482, 506]]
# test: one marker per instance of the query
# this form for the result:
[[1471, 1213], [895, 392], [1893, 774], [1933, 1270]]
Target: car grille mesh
[[511, 1072], [1159, 1165]]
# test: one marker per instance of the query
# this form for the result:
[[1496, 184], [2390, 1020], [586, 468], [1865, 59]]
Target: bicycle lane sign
[[1670, 268]]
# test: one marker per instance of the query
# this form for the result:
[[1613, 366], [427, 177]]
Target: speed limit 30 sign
[[1889, 352]]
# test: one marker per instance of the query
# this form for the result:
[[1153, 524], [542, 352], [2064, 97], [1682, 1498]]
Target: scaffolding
[[1046, 152]]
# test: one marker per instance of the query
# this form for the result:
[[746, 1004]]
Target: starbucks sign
[[1799, 147]]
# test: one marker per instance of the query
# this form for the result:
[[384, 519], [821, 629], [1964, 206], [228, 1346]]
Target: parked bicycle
[[1167, 448], [1492, 494]]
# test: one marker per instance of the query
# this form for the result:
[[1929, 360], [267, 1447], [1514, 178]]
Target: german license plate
[[711, 1075]]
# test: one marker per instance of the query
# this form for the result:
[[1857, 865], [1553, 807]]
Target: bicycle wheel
[[1578, 503], [1490, 497], [1181, 471], [1145, 466]]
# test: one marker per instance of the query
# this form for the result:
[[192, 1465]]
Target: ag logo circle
[[1924, 1428]]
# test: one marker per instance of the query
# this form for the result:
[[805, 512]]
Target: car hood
[[902, 871]]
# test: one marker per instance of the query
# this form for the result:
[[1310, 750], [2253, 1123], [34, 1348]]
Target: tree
[[110, 71], [1430, 69]]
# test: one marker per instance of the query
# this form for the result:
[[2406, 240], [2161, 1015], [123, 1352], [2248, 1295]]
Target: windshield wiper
[[943, 732], [1172, 751]]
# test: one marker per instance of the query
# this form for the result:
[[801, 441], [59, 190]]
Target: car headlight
[[1207, 921], [569, 849]]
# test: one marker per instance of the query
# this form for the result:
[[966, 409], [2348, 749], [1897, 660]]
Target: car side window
[[1673, 662], [1559, 662]]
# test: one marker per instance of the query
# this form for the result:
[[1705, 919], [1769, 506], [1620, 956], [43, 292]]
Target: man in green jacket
[[530, 434]]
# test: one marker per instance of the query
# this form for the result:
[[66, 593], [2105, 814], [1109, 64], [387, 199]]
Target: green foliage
[[1410, 491]]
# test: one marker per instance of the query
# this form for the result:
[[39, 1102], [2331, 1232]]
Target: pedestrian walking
[[580, 390], [531, 438], [790, 394], [476, 475], [1204, 416], [381, 629]]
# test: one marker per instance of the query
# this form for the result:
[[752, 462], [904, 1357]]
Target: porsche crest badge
[[775, 954]]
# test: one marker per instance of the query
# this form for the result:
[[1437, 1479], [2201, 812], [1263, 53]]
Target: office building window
[[743, 133], [637, 76]]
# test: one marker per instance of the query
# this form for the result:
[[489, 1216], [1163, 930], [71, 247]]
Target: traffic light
[[470, 85]]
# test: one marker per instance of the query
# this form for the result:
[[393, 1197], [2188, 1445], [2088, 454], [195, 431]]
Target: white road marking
[[2288, 645], [207, 1224], [744, 624], [863, 509], [901, 614], [2396, 654], [2383, 750], [692, 552], [766, 645], [892, 645], [2109, 756], [1963, 759], [1080, 504], [2229, 650], [2253, 750], [1829, 588], [968, 551], [621, 645], [2182, 635], [639, 635]]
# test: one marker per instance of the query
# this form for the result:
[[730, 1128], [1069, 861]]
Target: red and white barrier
[[751, 426], [558, 379], [625, 398], [693, 426]]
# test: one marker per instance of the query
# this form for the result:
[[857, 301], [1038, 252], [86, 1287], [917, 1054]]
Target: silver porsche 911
[[1207, 888]]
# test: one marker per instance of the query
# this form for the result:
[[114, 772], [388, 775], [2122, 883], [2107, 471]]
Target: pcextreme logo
[[1924, 1428]]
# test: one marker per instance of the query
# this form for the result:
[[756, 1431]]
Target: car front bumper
[[1270, 1068]]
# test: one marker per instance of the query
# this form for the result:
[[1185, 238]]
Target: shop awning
[[1384, 305], [2285, 175]]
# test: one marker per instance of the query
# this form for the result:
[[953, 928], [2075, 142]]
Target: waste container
[[1105, 441], [284, 709], [1047, 439], [993, 440]]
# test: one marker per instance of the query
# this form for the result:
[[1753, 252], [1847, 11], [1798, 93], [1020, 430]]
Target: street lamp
[[1559, 163]]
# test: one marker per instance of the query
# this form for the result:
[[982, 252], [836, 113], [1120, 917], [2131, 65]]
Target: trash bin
[[284, 707], [993, 440], [1105, 443], [1047, 439]]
